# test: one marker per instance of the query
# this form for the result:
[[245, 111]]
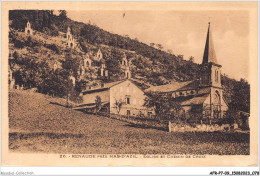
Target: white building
[[28, 29], [111, 94]]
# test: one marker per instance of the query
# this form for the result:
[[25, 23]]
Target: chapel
[[202, 96]]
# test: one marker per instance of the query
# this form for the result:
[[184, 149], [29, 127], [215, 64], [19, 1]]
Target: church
[[203, 96]]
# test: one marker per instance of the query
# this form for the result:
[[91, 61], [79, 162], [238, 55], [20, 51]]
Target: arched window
[[87, 63], [217, 98]]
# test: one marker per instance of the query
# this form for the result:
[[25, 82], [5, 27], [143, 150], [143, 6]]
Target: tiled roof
[[171, 87], [192, 85], [205, 90], [195, 100], [105, 87]]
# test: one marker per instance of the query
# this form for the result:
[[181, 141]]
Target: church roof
[[209, 52], [195, 100]]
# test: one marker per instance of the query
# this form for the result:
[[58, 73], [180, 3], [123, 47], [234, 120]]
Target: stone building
[[99, 55], [125, 91], [203, 96], [71, 42], [28, 29], [125, 65], [87, 62]]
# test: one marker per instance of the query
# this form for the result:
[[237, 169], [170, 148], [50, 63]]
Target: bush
[[18, 43], [52, 47]]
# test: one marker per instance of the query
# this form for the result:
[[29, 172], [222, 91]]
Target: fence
[[168, 125], [173, 127]]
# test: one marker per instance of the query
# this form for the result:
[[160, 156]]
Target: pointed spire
[[209, 52]]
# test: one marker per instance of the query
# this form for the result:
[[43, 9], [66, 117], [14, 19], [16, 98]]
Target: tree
[[113, 60], [71, 64], [152, 44], [180, 56], [118, 105], [191, 59], [164, 106], [98, 103], [63, 14], [169, 51], [159, 46], [240, 99]]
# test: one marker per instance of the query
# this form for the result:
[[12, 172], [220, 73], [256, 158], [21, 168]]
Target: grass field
[[38, 123]]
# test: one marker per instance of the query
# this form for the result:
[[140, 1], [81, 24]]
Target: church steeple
[[210, 69], [209, 51]]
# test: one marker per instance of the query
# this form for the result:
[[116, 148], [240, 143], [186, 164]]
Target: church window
[[217, 98], [216, 75], [87, 63]]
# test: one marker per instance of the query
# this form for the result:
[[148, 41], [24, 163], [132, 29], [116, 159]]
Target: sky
[[183, 32]]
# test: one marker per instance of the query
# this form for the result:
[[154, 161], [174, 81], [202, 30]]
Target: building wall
[[211, 103], [90, 98], [207, 107], [129, 90], [215, 76], [220, 91]]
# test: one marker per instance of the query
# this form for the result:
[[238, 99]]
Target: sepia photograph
[[130, 82]]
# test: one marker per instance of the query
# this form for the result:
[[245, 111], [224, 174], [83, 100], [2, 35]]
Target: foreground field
[[41, 124]]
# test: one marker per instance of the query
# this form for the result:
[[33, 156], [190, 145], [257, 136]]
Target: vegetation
[[98, 103], [164, 106], [29, 113], [150, 62], [236, 94], [118, 105]]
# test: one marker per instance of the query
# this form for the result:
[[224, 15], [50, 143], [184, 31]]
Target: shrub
[[52, 47]]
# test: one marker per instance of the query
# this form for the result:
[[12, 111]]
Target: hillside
[[33, 57], [39, 123], [160, 63]]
